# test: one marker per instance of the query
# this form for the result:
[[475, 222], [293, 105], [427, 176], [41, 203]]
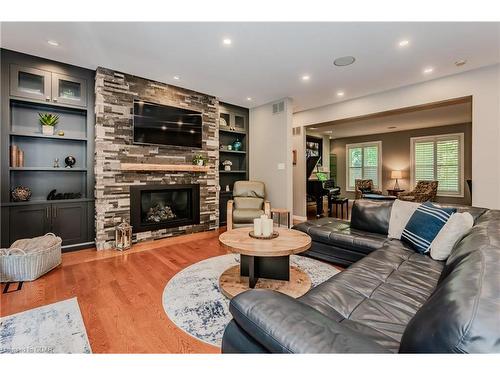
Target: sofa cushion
[[379, 294], [424, 226], [254, 189], [371, 216], [248, 203], [452, 232], [340, 234], [401, 213], [246, 215]]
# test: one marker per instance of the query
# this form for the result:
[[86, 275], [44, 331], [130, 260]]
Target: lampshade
[[396, 174]]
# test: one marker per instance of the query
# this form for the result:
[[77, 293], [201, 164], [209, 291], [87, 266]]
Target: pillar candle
[[257, 227], [267, 227]]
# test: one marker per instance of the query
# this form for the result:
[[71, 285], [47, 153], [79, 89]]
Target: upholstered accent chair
[[247, 204], [423, 192], [363, 187]]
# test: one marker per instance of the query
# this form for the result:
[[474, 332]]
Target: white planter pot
[[47, 130], [200, 163], [227, 167]]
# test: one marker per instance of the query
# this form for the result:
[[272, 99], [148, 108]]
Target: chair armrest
[[267, 208], [282, 324], [230, 204]]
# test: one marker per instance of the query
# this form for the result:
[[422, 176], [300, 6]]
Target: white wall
[[271, 145], [484, 86]]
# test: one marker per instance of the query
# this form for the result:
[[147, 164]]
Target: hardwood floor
[[120, 294]]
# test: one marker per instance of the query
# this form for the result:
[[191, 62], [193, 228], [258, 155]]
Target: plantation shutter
[[363, 163], [439, 158]]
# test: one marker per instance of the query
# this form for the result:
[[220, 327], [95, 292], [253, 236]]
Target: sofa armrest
[[229, 224], [282, 324]]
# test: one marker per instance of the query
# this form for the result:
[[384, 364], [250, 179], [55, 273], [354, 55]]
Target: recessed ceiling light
[[404, 43], [344, 61], [177, 78], [53, 43], [428, 70], [179, 122], [329, 132], [340, 93], [306, 78], [227, 41], [249, 99], [191, 131], [460, 62], [163, 127], [313, 128]]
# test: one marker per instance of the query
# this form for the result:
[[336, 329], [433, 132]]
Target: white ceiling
[[425, 118], [266, 60]]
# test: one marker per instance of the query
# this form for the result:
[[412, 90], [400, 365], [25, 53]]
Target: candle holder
[[262, 237]]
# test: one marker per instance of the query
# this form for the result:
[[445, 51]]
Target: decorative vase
[[237, 145], [227, 167], [47, 130]]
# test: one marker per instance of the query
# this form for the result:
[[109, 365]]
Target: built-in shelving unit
[[42, 86], [233, 126]]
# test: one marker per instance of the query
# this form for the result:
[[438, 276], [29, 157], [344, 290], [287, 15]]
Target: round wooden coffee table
[[265, 264]]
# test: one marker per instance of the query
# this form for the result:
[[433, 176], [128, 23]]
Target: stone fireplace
[[114, 149], [155, 207]]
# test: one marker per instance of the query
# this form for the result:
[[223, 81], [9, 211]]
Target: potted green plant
[[48, 122], [198, 159]]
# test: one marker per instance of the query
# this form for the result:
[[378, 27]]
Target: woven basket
[[28, 259]]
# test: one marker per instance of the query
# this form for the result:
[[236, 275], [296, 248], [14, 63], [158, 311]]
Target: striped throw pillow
[[424, 225]]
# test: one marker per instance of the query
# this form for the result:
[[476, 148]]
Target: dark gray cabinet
[[66, 220], [30, 83], [47, 86], [69, 221], [69, 90], [28, 221]]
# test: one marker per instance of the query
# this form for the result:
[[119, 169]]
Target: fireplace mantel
[[141, 167]]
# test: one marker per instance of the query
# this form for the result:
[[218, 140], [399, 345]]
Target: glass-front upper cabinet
[[30, 83], [69, 90]]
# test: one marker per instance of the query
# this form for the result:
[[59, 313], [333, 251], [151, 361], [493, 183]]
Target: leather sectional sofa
[[391, 300]]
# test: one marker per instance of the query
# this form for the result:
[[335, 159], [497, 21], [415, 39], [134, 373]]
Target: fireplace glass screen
[[161, 206]]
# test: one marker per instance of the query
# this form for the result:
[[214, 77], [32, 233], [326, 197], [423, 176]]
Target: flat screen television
[[164, 125]]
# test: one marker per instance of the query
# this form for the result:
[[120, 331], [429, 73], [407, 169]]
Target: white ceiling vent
[[278, 107], [296, 130]]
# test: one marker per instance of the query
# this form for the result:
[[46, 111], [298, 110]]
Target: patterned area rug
[[55, 328], [192, 299]]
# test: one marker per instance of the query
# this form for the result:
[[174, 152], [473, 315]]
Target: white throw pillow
[[455, 228], [400, 215]]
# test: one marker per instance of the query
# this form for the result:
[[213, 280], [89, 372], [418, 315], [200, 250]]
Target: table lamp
[[395, 175]]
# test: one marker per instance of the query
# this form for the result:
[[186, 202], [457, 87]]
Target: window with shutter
[[439, 158], [364, 161]]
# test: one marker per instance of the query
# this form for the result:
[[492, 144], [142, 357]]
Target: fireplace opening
[[164, 206]]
